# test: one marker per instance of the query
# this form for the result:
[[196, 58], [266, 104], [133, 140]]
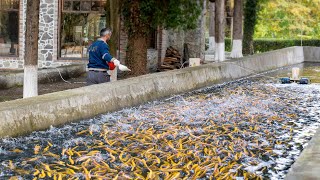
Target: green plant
[[250, 20], [264, 45]]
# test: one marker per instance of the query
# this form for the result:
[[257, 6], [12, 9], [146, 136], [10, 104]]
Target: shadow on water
[[247, 129]]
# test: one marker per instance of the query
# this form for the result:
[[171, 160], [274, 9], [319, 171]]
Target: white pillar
[[30, 83], [236, 48], [220, 31], [113, 75], [220, 52]]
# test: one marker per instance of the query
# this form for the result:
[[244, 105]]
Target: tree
[[114, 24], [30, 84], [143, 15], [288, 19], [237, 29], [250, 19], [220, 31], [212, 41]]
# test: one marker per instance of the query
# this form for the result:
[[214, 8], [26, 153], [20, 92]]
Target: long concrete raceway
[[23, 116]]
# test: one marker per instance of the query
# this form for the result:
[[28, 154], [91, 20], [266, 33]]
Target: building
[[67, 28]]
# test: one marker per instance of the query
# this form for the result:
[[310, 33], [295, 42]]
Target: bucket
[[194, 62], [295, 73]]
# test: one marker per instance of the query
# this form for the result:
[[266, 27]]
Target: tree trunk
[[114, 23], [212, 41], [250, 19], [137, 42], [237, 29], [202, 30], [220, 31], [137, 54], [30, 85], [114, 20]]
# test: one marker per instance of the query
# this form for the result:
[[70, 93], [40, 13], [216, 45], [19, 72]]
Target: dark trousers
[[97, 77]]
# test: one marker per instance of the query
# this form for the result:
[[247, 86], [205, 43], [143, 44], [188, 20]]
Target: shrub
[[264, 45]]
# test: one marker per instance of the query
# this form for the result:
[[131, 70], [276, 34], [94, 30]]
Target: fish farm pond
[[252, 128]]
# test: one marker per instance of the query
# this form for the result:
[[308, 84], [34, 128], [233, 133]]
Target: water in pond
[[248, 129]]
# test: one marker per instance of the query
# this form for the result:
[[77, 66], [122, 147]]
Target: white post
[[295, 73], [30, 83], [236, 48], [113, 75], [237, 32], [220, 51], [220, 31], [193, 62]]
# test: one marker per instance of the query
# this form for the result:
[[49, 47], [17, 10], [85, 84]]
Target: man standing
[[100, 60]]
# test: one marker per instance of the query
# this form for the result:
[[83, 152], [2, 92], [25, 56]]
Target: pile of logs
[[172, 60]]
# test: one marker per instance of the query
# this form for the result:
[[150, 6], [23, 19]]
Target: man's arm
[[105, 53], [107, 56]]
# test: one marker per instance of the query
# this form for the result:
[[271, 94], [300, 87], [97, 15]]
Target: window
[[81, 22], [9, 27]]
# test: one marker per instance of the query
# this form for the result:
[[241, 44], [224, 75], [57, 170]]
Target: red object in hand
[[111, 66]]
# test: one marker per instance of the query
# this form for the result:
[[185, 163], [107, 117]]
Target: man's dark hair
[[105, 31]]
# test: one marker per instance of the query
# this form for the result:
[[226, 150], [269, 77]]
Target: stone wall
[[47, 34], [48, 40], [152, 60], [48, 37], [195, 39]]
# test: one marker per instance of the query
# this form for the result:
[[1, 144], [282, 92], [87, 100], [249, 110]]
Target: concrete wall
[[26, 115], [312, 54], [15, 78]]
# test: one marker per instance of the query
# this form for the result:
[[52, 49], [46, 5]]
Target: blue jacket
[[99, 55]]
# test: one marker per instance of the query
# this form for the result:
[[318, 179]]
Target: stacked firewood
[[172, 60]]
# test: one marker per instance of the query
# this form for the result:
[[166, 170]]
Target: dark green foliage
[[167, 13], [250, 20], [228, 44], [264, 45]]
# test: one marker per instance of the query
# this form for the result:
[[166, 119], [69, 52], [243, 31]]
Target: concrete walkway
[[307, 167]]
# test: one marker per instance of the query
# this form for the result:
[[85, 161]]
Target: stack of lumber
[[172, 60]]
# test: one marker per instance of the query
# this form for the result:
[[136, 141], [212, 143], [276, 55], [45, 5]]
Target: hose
[[66, 80]]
